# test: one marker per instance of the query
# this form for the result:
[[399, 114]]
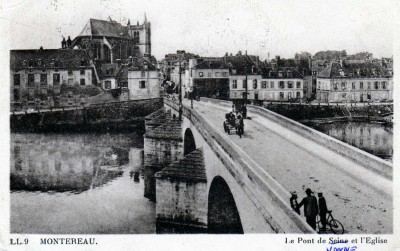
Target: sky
[[211, 28]]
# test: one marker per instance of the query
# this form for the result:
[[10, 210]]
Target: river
[[78, 184], [375, 138]]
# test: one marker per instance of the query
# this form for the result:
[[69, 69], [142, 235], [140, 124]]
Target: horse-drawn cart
[[233, 124]]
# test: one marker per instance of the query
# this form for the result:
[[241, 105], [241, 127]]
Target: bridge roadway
[[360, 199]]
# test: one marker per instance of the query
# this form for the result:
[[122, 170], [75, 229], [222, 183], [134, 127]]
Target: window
[[271, 84], [200, 74], [353, 86], [255, 85], [107, 85], [43, 79], [142, 84], [319, 85], [224, 74], [31, 94], [384, 84], [281, 95], [244, 84], [124, 84], [56, 79], [280, 74], [209, 74], [70, 93], [297, 94], [143, 74], [31, 80], [70, 72], [217, 74], [369, 85], [298, 84], [335, 86], [344, 85], [234, 84], [82, 62], [82, 72], [82, 81], [17, 79], [43, 94], [16, 94], [70, 81], [290, 84], [376, 84], [281, 84], [361, 85], [263, 84]]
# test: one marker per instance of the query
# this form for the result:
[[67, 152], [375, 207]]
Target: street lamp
[[180, 89]]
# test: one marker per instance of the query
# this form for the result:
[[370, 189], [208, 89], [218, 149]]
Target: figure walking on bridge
[[310, 208], [293, 202], [323, 209]]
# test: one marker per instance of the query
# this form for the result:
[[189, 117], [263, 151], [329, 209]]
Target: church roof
[[104, 28]]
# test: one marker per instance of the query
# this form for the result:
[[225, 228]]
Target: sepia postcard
[[199, 125]]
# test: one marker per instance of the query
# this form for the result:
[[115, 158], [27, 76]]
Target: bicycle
[[335, 225]]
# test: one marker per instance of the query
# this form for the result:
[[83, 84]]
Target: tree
[[302, 55], [330, 55]]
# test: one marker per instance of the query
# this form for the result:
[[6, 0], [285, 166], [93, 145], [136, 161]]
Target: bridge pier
[[163, 144], [182, 196]]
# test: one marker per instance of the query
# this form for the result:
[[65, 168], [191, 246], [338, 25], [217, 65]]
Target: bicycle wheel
[[336, 227]]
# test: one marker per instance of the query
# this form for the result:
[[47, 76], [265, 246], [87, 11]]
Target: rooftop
[[191, 167], [354, 70], [48, 58]]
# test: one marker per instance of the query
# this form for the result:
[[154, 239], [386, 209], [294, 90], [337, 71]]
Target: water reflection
[[78, 183], [374, 138]]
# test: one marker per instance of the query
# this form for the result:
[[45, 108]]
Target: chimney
[[63, 43], [257, 59], [240, 53], [69, 42]]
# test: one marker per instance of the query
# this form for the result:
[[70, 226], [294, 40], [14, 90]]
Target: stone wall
[[99, 117], [190, 201]]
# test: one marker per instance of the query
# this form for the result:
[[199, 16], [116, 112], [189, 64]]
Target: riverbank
[[120, 116]]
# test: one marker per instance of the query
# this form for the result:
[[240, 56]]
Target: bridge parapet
[[379, 166], [263, 190]]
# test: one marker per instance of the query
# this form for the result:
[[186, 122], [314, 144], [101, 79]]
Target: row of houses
[[239, 77], [105, 57]]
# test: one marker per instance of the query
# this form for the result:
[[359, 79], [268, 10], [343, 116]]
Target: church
[[108, 41]]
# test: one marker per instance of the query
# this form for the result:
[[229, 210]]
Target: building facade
[[144, 80], [354, 82], [279, 84], [48, 78], [207, 77]]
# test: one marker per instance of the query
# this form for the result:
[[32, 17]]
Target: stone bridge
[[204, 180]]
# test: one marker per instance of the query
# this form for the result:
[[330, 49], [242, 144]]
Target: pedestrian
[[323, 209], [293, 202], [244, 112], [310, 208]]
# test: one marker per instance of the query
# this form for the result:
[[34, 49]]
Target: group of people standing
[[312, 208]]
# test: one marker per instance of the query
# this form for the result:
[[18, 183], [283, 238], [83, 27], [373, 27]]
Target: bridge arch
[[223, 216], [189, 144]]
